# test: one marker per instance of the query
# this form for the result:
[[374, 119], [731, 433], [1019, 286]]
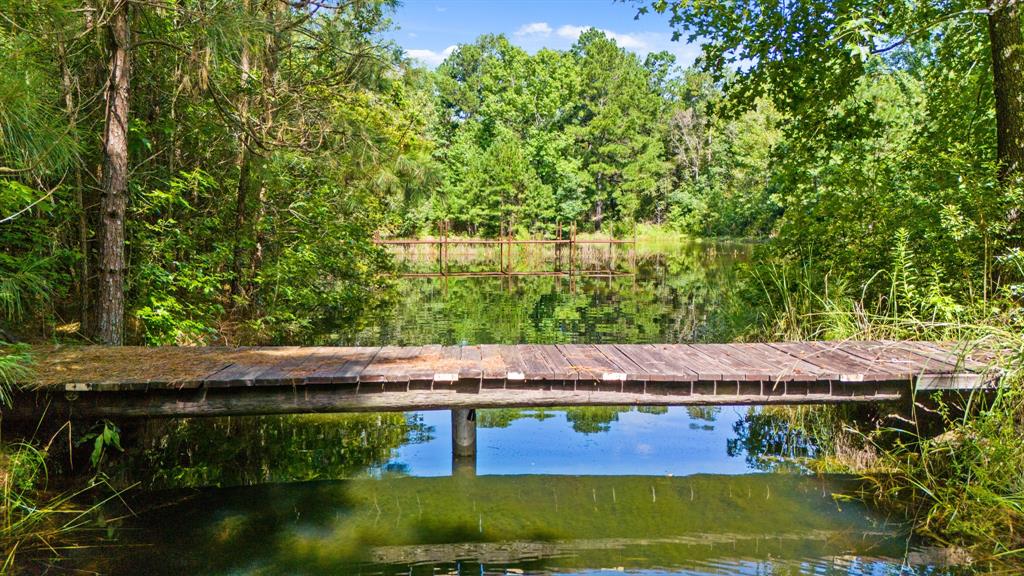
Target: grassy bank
[[953, 465]]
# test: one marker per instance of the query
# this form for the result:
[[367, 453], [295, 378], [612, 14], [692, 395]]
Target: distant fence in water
[[568, 254]]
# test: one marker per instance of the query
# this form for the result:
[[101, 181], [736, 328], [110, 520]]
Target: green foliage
[[254, 450], [15, 365], [104, 436], [267, 142], [594, 136], [965, 484], [770, 442], [724, 175], [529, 141], [954, 463], [676, 296], [34, 524]]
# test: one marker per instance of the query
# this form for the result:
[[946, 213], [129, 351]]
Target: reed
[[953, 465], [37, 525]]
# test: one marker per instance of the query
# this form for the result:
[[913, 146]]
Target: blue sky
[[430, 29]]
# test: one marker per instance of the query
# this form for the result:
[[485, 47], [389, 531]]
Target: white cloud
[[534, 29], [429, 57], [571, 32], [627, 41], [640, 42]]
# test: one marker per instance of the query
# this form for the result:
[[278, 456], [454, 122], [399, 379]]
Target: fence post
[[440, 255]]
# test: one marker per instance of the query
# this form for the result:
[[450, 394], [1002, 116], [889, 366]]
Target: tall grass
[[15, 362], [952, 464], [33, 524]]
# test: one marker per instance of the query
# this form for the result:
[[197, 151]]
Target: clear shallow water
[[556, 492], [704, 491]]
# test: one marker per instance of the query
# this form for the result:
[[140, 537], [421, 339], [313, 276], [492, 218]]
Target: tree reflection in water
[[186, 453], [769, 441], [251, 450], [584, 419]]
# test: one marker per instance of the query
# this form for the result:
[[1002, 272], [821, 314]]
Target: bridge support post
[[464, 440]]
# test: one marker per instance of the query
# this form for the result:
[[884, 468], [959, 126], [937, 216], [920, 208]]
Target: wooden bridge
[[117, 382], [97, 381]]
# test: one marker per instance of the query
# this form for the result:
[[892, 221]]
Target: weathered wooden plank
[[514, 363], [382, 365], [793, 365], [873, 371], [342, 367], [249, 363], [330, 398], [630, 369], [537, 367], [99, 368], [595, 371], [787, 368], [403, 366], [960, 381], [471, 367], [658, 370], [939, 359], [747, 364], [446, 370], [830, 358], [893, 359], [577, 359], [683, 358], [492, 363], [353, 369], [293, 368], [423, 367]]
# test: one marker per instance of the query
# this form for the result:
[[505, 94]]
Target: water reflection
[[235, 451], [704, 524], [559, 491], [645, 490], [166, 453], [768, 442], [675, 296]]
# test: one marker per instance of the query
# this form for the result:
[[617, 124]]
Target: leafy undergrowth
[[953, 464]]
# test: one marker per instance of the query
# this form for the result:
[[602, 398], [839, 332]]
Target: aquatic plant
[[35, 524]]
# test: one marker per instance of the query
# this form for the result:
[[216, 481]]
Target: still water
[[575, 491]]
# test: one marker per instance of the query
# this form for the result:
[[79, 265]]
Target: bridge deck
[[139, 381]]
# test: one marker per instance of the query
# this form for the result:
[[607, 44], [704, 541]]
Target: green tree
[[810, 56], [239, 171], [616, 128]]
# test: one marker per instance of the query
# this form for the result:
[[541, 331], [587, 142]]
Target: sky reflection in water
[[671, 443]]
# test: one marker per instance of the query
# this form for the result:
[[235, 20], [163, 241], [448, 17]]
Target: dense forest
[[594, 136], [172, 169], [190, 172]]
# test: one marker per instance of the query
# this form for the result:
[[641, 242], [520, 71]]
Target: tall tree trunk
[[84, 309], [242, 161], [241, 207], [1004, 30], [275, 45], [114, 201]]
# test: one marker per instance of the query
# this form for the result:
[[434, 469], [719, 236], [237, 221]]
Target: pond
[[554, 491]]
